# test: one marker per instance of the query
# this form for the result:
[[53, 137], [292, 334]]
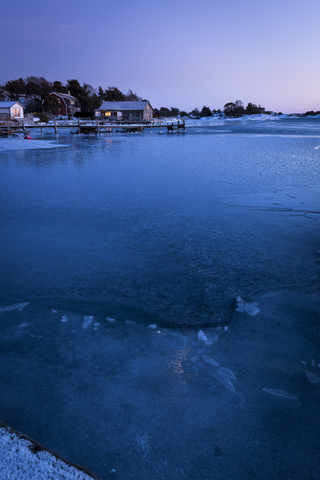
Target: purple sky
[[176, 53]]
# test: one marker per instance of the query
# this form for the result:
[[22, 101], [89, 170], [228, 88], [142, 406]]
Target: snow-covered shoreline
[[7, 144], [23, 458]]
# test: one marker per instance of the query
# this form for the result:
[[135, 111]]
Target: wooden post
[[98, 126], [41, 130], [23, 127], [55, 126]]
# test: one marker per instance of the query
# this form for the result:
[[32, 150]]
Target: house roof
[[66, 98], [9, 104], [123, 106]]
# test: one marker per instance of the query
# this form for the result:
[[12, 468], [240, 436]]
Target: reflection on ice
[[169, 232]]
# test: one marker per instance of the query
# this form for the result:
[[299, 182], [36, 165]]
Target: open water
[[172, 324]]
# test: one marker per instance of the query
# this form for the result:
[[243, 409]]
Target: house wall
[[148, 113], [4, 113], [10, 113], [13, 111], [63, 109], [128, 115]]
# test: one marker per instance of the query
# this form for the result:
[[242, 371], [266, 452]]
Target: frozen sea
[[159, 300]]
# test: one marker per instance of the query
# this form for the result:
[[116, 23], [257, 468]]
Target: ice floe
[[280, 393], [15, 306], [313, 378], [202, 336], [64, 319], [251, 308], [110, 319], [152, 325], [225, 381], [210, 360], [87, 320], [228, 373], [207, 339], [23, 325]]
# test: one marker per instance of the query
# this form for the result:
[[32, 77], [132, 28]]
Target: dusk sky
[[175, 53]]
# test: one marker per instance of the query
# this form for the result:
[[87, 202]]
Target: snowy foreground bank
[[23, 458]]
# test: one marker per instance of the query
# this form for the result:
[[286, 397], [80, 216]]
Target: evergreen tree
[[205, 112], [132, 97], [113, 94]]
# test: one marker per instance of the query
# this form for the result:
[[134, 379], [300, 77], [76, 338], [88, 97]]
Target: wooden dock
[[8, 128]]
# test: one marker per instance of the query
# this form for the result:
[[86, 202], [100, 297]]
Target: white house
[[10, 110], [132, 111]]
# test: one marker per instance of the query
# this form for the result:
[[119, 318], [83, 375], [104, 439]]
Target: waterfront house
[[69, 105], [127, 111], [10, 110]]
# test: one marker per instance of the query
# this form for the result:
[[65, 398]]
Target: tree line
[[37, 91]]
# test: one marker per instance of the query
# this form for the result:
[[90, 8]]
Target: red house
[[69, 104]]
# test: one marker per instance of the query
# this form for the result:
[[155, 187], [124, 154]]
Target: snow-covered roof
[[66, 97], [9, 104], [123, 106]]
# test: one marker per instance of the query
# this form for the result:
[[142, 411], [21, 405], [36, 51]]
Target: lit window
[[107, 114]]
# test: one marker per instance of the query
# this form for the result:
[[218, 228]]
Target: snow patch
[[18, 460]]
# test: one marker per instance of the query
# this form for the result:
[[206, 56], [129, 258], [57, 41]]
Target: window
[[16, 112]]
